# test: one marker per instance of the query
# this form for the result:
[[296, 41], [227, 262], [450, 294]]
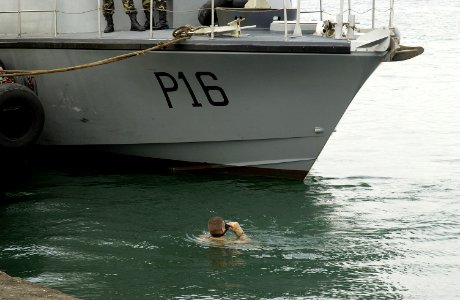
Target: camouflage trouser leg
[[129, 7], [157, 5], [160, 5], [108, 8], [146, 5]]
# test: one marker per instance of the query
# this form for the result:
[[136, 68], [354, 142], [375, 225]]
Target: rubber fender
[[21, 116], [204, 16]]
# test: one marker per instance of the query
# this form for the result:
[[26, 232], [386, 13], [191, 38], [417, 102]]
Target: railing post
[[99, 12], [212, 19], [373, 14], [349, 8], [151, 19], [19, 19], [321, 9], [392, 10], [55, 19], [351, 23], [285, 21], [339, 20], [297, 28]]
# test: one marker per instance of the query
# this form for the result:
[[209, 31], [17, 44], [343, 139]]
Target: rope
[[180, 34], [76, 13], [186, 31]]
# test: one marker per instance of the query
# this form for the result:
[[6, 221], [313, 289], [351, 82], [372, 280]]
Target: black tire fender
[[21, 116]]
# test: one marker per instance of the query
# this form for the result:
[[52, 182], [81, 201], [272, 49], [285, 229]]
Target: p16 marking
[[169, 85]]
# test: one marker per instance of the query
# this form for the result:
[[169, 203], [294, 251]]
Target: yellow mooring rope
[[180, 34]]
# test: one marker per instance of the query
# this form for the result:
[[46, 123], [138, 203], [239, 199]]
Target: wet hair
[[215, 225]]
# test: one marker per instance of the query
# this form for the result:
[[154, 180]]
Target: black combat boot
[[162, 20], [147, 23], [109, 27], [135, 26]]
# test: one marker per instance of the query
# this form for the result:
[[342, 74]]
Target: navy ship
[[258, 89]]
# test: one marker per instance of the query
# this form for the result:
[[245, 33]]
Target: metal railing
[[20, 11], [55, 12], [99, 8]]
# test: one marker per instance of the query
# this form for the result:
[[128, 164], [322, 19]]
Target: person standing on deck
[[160, 6], [109, 9]]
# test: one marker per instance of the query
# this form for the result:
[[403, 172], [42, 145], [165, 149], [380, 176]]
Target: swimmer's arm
[[236, 228]]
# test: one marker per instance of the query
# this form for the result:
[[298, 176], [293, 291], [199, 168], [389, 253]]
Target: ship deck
[[250, 41]]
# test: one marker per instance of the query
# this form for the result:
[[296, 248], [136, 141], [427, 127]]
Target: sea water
[[376, 218]]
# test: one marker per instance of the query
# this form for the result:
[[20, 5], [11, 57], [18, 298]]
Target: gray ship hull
[[263, 110], [265, 98]]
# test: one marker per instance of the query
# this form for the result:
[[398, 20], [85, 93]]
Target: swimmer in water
[[217, 229]]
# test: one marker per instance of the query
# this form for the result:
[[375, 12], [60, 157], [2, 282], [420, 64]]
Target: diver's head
[[217, 226]]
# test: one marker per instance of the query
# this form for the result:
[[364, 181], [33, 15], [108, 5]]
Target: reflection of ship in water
[[264, 100]]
